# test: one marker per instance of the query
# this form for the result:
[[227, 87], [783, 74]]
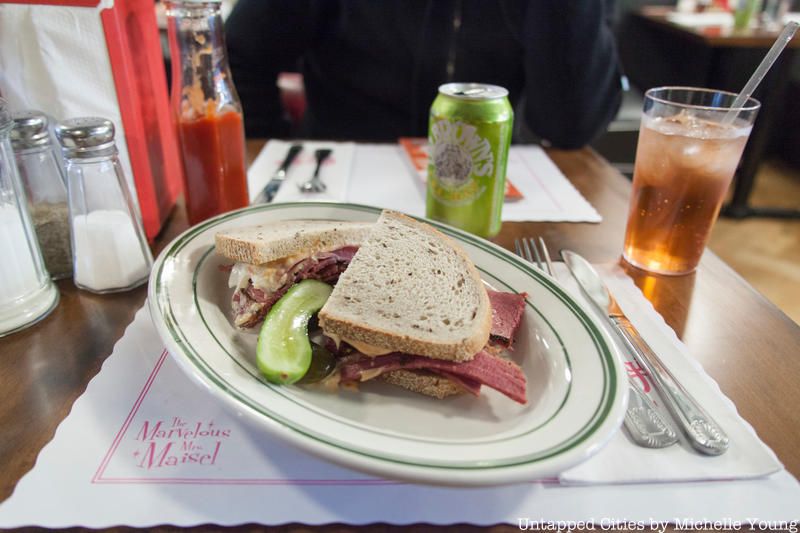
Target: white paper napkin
[[699, 20], [54, 58], [335, 171], [623, 462]]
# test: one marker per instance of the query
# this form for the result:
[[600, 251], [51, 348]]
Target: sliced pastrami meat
[[251, 304], [507, 311], [502, 375]]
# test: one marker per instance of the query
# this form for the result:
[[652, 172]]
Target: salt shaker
[[108, 243], [45, 189], [27, 293]]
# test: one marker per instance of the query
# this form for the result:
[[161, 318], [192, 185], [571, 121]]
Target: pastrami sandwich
[[269, 259], [408, 306]]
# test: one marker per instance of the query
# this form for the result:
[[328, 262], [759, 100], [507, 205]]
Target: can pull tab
[[470, 92]]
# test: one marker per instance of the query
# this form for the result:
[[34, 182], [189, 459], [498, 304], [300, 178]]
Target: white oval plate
[[576, 384]]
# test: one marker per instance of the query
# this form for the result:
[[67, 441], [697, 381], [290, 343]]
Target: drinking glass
[[687, 154]]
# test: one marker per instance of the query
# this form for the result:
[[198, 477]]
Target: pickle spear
[[283, 354]]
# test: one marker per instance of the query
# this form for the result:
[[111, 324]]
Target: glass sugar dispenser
[[27, 294], [108, 244], [45, 189]]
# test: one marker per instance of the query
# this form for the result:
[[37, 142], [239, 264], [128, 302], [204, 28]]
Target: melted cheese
[[268, 277], [369, 374]]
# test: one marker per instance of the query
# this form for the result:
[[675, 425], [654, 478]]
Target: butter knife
[[268, 193], [704, 434]]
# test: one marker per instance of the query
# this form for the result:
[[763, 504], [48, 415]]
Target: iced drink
[[684, 165]]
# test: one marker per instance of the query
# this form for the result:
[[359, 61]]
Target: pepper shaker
[[109, 249], [27, 293], [45, 189]]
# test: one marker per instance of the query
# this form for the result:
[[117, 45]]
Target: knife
[[704, 434], [268, 193]]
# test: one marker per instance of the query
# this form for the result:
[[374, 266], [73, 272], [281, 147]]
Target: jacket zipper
[[451, 56]]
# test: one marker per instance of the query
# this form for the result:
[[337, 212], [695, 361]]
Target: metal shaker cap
[[86, 137], [30, 130]]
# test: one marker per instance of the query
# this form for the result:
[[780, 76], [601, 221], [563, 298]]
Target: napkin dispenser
[[73, 58]]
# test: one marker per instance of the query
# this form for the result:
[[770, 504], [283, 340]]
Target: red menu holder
[[136, 61]]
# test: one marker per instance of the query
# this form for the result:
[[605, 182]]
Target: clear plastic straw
[[780, 43]]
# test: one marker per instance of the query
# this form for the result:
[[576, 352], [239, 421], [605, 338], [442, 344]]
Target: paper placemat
[[334, 172], [379, 175], [549, 195], [145, 445]]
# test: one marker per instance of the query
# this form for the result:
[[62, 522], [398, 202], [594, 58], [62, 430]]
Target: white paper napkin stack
[[54, 58]]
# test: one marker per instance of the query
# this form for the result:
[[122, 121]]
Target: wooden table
[[656, 51], [716, 36], [742, 340]]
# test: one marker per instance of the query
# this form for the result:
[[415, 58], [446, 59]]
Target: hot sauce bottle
[[207, 110]]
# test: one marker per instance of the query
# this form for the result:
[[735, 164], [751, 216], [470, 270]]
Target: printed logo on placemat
[[636, 372], [157, 445], [168, 444]]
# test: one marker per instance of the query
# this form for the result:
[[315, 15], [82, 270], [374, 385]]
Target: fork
[[315, 184], [644, 423], [527, 249]]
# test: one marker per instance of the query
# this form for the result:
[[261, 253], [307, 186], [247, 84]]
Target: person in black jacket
[[373, 67]]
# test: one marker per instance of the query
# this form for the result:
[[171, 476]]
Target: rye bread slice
[[423, 382], [261, 244], [410, 289]]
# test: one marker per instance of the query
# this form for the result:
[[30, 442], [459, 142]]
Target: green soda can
[[469, 137]]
